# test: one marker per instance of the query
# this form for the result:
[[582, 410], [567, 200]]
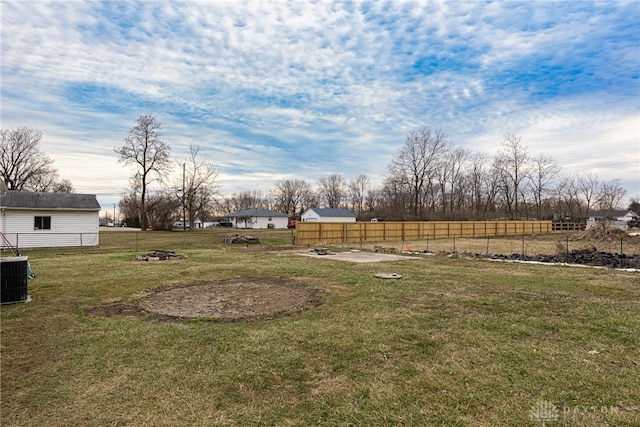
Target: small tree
[[144, 149], [200, 179], [161, 206]]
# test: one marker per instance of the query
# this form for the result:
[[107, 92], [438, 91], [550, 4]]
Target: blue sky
[[303, 89]]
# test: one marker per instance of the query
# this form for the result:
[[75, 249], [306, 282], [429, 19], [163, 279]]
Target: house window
[[269, 220], [42, 223]]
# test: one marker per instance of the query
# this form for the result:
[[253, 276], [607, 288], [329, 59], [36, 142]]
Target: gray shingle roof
[[611, 214], [256, 212], [28, 200]]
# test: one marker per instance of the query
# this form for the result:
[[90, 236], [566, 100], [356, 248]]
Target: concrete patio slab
[[359, 257]]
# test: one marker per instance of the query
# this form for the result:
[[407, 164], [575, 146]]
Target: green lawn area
[[455, 342]]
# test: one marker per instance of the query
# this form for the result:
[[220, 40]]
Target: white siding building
[[258, 218], [47, 220], [327, 215], [619, 219]]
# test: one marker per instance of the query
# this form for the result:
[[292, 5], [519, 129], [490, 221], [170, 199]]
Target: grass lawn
[[455, 342]]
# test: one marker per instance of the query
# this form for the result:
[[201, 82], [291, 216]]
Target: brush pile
[[590, 256], [159, 255]]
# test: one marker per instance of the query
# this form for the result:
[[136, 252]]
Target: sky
[[272, 90]]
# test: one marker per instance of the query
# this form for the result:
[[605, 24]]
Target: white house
[[327, 215], [258, 218], [618, 219], [47, 220]]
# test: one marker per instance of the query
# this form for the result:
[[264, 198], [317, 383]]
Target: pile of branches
[[238, 238], [590, 256], [159, 255]]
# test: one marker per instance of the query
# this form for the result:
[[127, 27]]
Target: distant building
[[620, 219], [47, 220], [258, 218], [327, 215]]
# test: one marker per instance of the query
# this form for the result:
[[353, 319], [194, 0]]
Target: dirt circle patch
[[229, 300]]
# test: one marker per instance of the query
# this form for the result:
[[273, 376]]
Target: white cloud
[[285, 88]]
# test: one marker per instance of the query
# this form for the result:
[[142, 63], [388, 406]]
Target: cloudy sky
[[301, 89]]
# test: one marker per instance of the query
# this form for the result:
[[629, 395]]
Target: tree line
[[429, 178]]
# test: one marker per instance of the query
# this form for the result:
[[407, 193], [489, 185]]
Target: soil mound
[[598, 233]]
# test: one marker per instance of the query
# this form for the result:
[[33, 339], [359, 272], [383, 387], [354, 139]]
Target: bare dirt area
[[230, 300]]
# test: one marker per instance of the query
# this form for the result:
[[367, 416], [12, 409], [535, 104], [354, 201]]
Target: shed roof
[[30, 200], [256, 212], [330, 212], [612, 214]]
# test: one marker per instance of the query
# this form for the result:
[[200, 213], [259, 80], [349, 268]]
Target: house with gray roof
[[620, 218], [328, 215], [47, 220], [258, 218]]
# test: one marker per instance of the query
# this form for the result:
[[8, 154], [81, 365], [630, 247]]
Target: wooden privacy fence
[[568, 226], [310, 233]]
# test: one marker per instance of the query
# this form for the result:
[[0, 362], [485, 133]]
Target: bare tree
[[611, 194], [161, 208], [144, 149], [510, 165], [543, 172], [245, 200], [477, 178], [373, 199], [566, 191], [24, 167], [414, 165], [457, 159], [332, 189], [357, 191], [200, 185], [50, 181], [292, 196], [443, 171], [588, 187], [129, 206]]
